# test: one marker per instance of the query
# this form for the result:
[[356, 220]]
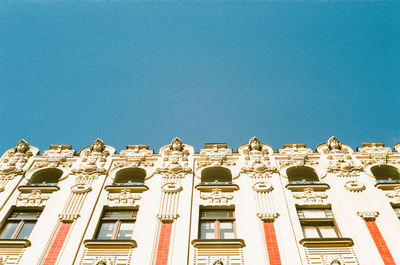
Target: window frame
[[12, 218], [116, 221], [317, 223], [230, 217]]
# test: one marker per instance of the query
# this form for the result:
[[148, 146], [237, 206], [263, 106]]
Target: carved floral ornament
[[104, 261], [332, 260]]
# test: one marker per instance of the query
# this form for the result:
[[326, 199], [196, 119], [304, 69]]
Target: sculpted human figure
[[254, 144], [334, 144], [176, 145], [16, 159]]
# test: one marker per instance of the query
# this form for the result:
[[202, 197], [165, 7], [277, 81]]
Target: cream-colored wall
[[279, 202]]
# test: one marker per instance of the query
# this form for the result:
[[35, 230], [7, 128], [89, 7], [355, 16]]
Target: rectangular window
[[19, 224], [317, 223], [117, 224], [217, 224]]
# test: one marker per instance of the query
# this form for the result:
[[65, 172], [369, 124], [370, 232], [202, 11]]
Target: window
[[46, 177], [216, 175], [117, 224], [130, 177], [302, 175], [217, 224], [317, 223], [19, 224]]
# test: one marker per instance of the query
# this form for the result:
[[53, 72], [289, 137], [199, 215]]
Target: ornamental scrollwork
[[34, 199], [216, 197], [256, 157], [310, 197]]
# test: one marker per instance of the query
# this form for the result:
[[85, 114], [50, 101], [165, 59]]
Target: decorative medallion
[[171, 187], [354, 185], [262, 186]]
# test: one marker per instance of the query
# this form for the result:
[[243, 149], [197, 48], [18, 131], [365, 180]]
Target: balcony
[[387, 184], [223, 186], [300, 185], [44, 187], [130, 185]]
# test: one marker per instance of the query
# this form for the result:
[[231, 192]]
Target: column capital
[[368, 215]]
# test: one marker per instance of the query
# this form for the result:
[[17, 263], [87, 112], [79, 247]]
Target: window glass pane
[[310, 232], [311, 213], [226, 230], [216, 214], [25, 215], [120, 214], [207, 230], [125, 231], [327, 231], [106, 231], [26, 230], [9, 230]]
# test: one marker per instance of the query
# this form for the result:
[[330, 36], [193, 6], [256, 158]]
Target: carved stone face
[[255, 144], [176, 145], [22, 146], [98, 146], [334, 144]]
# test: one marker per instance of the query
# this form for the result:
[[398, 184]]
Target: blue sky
[[133, 72]]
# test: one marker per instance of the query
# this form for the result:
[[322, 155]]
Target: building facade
[[293, 206]]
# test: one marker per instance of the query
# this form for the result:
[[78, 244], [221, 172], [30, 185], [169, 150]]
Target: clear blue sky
[[134, 72]]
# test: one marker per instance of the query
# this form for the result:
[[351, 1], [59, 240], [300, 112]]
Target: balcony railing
[[129, 184], [43, 184], [216, 183], [304, 182], [387, 181]]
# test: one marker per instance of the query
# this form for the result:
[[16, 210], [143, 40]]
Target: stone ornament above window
[[262, 186], [81, 188], [354, 185], [34, 199], [310, 197], [216, 197]]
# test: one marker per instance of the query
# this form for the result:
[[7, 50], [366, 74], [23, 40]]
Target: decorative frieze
[[58, 156], [124, 198], [394, 195], [216, 197], [368, 215], [310, 197], [216, 155], [34, 199], [296, 155]]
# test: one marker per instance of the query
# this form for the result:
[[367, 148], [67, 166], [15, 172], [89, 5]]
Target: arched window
[[386, 174], [46, 177], [130, 177], [216, 175], [301, 174]]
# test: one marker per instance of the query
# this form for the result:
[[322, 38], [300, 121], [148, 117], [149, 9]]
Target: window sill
[[327, 242], [14, 243], [101, 243], [43, 189], [387, 186], [302, 187], [131, 188], [218, 243], [211, 187]]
